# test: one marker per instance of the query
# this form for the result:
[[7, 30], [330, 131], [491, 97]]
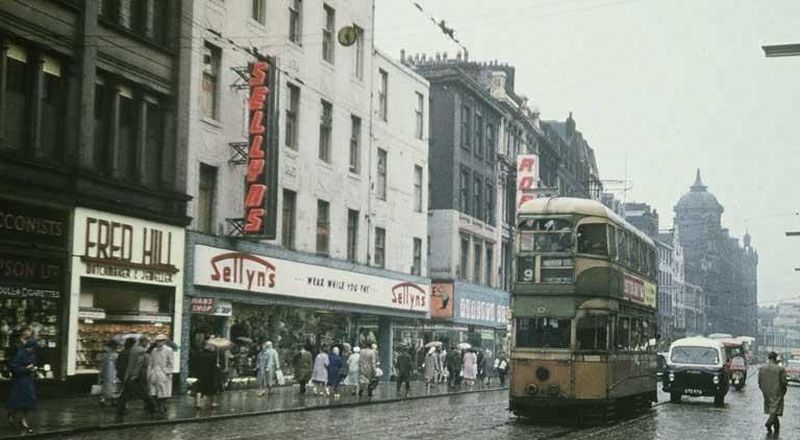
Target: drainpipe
[[370, 143]]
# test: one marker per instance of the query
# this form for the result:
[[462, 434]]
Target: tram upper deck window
[[545, 235], [592, 332], [543, 333], [592, 239]]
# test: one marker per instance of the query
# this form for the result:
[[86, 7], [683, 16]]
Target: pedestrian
[[133, 382], [334, 372], [480, 373], [430, 365], [159, 374], [22, 398], [209, 376], [109, 379], [122, 362], [502, 368], [267, 367], [442, 365], [320, 374], [403, 368], [488, 367], [302, 367], [470, 368], [367, 366], [773, 384], [352, 370]]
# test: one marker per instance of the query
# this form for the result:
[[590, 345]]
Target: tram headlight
[[672, 377], [532, 389]]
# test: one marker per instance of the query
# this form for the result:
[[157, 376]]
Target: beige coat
[[772, 382], [159, 372]]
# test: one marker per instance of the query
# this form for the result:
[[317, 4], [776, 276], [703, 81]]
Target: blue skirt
[[23, 394]]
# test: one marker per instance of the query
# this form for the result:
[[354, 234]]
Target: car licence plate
[[693, 392]]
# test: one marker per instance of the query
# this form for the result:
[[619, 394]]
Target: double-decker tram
[[584, 313]]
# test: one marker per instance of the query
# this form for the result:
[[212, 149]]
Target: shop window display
[[110, 310], [42, 315]]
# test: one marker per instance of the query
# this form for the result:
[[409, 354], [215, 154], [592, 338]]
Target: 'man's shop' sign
[[260, 201]]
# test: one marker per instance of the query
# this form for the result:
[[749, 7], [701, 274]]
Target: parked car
[[792, 368], [696, 367]]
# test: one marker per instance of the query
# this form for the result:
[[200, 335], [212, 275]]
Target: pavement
[[83, 415]]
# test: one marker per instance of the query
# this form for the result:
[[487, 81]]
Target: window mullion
[[3, 86], [113, 136], [140, 148], [35, 122]]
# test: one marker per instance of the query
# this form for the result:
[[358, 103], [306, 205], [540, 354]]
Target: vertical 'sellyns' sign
[[527, 177], [262, 160]]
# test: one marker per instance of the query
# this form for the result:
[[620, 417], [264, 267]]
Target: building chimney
[[466, 55], [402, 56]]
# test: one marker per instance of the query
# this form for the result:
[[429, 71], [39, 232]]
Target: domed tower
[[698, 214]]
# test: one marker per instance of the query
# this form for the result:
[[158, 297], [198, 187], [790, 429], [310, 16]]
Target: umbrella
[[122, 337], [463, 346], [220, 343], [433, 344], [241, 340]]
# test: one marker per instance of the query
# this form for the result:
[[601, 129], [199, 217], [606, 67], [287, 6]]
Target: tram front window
[[543, 333], [549, 235], [592, 333]]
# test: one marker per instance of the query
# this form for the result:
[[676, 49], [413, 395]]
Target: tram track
[[589, 432]]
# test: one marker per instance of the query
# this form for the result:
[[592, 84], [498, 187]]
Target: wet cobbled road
[[483, 416]]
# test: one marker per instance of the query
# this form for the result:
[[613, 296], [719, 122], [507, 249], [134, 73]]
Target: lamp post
[[781, 50]]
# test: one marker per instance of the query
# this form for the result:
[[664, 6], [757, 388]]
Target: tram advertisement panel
[[639, 291]]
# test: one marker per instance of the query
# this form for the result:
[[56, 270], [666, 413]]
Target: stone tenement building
[[717, 263]]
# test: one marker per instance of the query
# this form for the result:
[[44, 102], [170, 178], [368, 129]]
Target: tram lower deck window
[[543, 333], [592, 333]]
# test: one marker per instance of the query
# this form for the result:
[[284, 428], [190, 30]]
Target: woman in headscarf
[[334, 365], [109, 379], [431, 362], [320, 374], [352, 370], [209, 376], [22, 399], [267, 366]]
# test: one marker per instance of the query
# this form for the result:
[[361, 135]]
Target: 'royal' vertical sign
[[260, 200], [527, 177]]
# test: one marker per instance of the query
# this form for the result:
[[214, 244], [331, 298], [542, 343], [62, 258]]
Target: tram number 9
[[525, 272]]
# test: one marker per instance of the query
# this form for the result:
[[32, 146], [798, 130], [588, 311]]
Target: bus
[[584, 313]]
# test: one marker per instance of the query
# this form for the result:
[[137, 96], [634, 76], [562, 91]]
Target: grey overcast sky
[[672, 85]]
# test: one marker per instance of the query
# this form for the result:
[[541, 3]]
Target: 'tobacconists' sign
[[234, 270]]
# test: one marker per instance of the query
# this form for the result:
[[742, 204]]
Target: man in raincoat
[[159, 374], [773, 384]]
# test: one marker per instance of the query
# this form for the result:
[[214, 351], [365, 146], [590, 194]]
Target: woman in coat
[[470, 367], [488, 366], [109, 379], [159, 374], [352, 370], [209, 376], [367, 366], [334, 375], [320, 374], [267, 367], [22, 399], [431, 370]]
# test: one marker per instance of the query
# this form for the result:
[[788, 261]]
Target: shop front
[[468, 313], [255, 293], [33, 281], [127, 280]]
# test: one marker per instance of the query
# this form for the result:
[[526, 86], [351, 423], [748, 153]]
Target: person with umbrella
[[22, 399], [431, 370], [267, 367]]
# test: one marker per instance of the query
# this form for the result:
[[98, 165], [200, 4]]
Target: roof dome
[[698, 198]]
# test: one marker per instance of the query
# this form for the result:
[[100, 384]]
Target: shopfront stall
[[127, 279], [33, 279], [293, 300]]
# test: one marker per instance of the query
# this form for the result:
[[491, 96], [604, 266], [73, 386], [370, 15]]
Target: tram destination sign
[[261, 178]]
